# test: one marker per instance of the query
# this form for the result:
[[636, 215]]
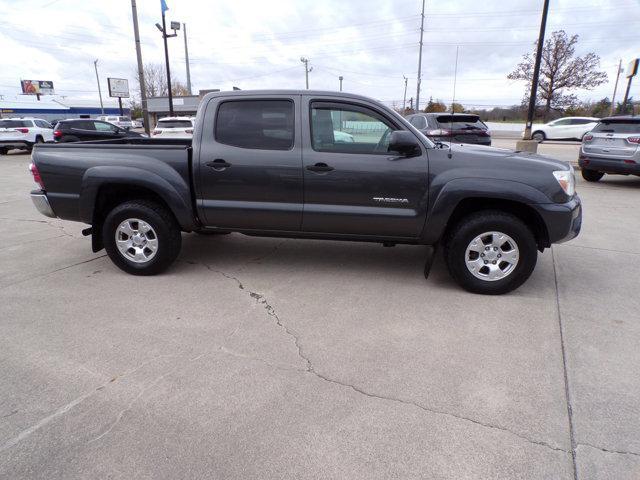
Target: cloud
[[257, 44]]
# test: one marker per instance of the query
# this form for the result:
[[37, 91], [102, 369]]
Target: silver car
[[613, 146]]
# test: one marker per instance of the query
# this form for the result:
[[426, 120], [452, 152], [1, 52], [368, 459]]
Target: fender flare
[[172, 189], [446, 199]]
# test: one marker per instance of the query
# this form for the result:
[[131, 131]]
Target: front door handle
[[320, 167], [218, 164]]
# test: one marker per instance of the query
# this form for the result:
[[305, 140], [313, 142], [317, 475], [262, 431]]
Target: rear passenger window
[[419, 122], [256, 124]]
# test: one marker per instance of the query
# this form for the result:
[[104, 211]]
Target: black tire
[[165, 228], [473, 225], [591, 175], [4, 151], [538, 136]]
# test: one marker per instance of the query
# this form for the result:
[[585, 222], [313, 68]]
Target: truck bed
[[74, 172]]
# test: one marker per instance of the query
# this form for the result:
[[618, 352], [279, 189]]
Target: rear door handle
[[218, 164], [320, 167]]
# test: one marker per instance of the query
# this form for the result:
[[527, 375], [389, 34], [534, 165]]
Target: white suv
[[118, 121], [567, 128], [174, 127], [23, 133]]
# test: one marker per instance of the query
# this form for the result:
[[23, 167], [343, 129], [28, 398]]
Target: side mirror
[[404, 142]]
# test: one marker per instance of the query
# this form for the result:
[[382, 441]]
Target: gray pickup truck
[[311, 164]]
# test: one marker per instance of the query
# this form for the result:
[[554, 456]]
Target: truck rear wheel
[[490, 252], [141, 237]]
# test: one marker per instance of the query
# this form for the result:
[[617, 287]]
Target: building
[[55, 107], [183, 106]]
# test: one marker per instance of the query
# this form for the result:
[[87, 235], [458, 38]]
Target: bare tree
[[155, 80], [560, 72]]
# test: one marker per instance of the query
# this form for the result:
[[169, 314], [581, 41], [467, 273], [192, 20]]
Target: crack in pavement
[[565, 371], [310, 369], [45, 222], [69, 406], [606, 450], [45, 274]]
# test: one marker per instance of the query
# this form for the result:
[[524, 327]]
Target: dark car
[[452, 127], [270, 163], [83, 129]]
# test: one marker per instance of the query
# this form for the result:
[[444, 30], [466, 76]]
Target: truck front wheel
[[490, 252], [141, 237]]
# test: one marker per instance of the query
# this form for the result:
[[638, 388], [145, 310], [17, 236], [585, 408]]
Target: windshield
[[618, 126], [174, 124]]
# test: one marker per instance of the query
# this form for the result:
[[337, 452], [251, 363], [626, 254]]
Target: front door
[[250, 164], [352, 184]]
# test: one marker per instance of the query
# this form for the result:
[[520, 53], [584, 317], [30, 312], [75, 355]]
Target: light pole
[[420, 59], [307, 69], [340, 78], [186, 57], [615, 89], [143, 89], [163, 28], [95, 65]]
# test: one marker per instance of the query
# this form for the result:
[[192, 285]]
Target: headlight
[[567, 180]]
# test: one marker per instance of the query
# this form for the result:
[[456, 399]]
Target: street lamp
[[340, 78], [163, 29]]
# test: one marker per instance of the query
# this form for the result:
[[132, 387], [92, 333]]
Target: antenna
[[453, 102]]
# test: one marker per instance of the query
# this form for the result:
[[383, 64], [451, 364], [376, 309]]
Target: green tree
[[436, 106]]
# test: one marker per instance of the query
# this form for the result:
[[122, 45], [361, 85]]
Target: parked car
[[136, 124], [268, 163], [613, 146], [82, 129], [452, 127], [174, 127], [566, 128], [23, 133], [117, 120]]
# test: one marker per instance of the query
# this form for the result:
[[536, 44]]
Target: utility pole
[[404, 99], [615, 88], [143, 88], [536, 72], [95, 64], [186, 57], [420, 59], [411, 104], [306, 70], [340, 78], [163, 28]]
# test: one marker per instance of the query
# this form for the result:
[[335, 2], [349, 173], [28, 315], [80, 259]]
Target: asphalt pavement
[[258, 358]]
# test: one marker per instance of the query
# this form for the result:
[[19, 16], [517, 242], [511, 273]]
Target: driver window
[[348, 129]]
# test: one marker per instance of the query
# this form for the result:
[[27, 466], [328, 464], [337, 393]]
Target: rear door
[[560, 129], [357, 187], [249, 173]]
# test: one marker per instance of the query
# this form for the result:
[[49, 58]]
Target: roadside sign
[[118, 87], [632, 69], [37, 87]]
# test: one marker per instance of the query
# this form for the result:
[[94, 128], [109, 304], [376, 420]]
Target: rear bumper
[[608, 165], [563, 220], [41, 202], [14, 144]]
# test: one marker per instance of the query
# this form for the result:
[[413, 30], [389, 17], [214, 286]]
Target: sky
[[257, 44]]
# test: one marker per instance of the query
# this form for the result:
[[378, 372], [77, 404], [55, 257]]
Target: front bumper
[[609, 165], [563, 220], [41, 202]]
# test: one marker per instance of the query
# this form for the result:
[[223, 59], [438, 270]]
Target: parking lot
[[262, 358]]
